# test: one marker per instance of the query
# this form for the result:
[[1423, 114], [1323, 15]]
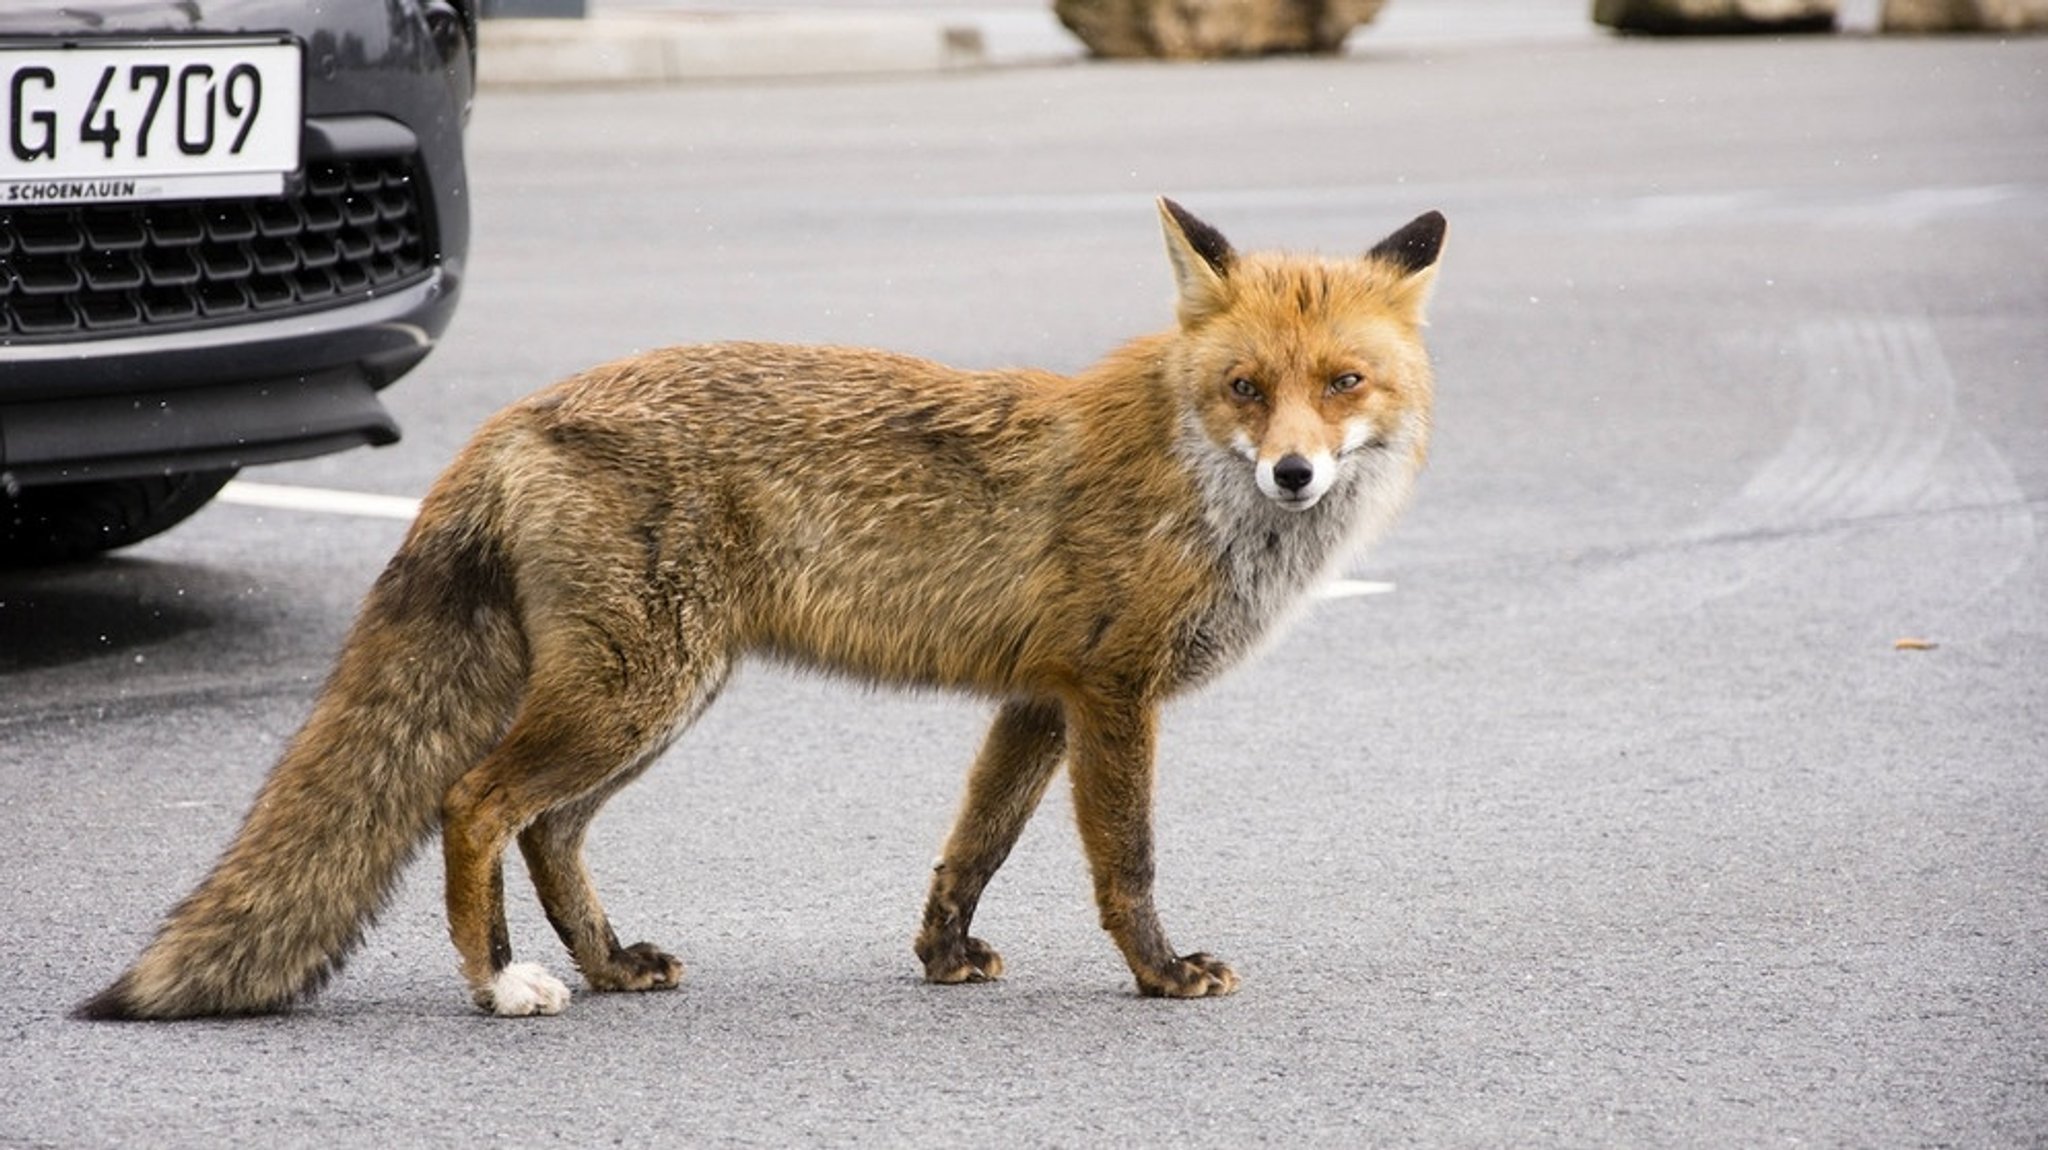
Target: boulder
[[1965, 16], [1209, 29], [1687, 17]]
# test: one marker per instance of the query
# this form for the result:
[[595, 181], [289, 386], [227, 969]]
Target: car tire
[[71, 521]]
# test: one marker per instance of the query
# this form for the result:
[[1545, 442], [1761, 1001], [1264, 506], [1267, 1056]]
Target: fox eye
[[1349, 381], [1244, 388]]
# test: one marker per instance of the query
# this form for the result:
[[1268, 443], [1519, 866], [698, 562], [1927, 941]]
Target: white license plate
[[94, 122]]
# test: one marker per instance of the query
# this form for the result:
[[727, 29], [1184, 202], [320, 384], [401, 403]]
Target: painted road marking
[[281, 498], [278, 497], [1352, 589]]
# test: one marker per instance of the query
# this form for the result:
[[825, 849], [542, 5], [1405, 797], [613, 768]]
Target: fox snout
[[1296, 481]]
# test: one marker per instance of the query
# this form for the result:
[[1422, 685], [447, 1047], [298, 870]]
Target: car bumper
[[153, 403]]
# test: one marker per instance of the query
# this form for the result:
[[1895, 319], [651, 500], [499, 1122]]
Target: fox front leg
[[1112, 748], [1017, 760]]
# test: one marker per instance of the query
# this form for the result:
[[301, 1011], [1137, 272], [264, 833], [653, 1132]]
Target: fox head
[[1305, 367]]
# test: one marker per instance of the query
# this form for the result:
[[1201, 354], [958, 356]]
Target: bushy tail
[[426, 684]]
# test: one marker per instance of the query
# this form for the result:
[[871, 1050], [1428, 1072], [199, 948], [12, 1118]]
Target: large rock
[[1684, 17], [1206, 29], [1965, 15]]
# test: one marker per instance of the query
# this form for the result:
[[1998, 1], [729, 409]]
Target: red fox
[[583, 578]]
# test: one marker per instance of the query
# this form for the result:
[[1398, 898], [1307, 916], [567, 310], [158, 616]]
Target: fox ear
[[1412, 251], [1415, 246], [1201, 261]]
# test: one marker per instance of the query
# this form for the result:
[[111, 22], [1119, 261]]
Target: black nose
[[1293, 472]]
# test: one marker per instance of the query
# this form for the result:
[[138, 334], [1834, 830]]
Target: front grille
[[354, 228]]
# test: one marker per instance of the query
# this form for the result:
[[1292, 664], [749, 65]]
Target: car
[[224, 228]]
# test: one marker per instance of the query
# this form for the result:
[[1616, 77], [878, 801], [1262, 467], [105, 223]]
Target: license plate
[[181, 119]]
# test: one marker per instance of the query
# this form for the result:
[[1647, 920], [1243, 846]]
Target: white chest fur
[[1269, 559]]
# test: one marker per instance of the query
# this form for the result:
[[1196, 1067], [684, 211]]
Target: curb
[[674, 48]]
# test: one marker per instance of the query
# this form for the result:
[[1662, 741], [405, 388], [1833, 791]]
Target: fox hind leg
[[584, 730], [477, 819], [553, 848], [1017, 759], [517, 988]]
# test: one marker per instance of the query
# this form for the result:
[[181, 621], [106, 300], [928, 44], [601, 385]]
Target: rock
[[1683, 17], [1965, 16], [1208, 29]]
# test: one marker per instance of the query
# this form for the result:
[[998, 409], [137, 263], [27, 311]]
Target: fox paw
[[641, 966], [1193, 976], [522, 989], [971, 961]]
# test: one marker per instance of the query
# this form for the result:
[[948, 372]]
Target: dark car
[[224, 226]]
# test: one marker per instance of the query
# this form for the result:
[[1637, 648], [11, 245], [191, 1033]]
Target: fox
[[585, 576]]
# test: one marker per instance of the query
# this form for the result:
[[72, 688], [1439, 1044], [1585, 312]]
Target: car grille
[[354, 228]]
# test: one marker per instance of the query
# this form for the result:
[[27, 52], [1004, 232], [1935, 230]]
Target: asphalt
[[647, 42], [655, 47], [642, 42]]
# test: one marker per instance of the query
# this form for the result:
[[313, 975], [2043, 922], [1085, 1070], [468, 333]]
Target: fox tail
[[426, 684]]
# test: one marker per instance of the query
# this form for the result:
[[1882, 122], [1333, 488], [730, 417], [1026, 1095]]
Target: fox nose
[[1293, 472]]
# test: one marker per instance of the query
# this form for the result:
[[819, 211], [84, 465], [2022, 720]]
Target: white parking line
[[278, 497], [1352, 589]]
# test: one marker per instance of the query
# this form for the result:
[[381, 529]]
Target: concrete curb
[[673, 48]]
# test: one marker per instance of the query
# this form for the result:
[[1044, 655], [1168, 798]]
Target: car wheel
[[69, 521]]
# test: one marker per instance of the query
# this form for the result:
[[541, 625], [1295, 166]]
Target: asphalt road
[[1620, 821]]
